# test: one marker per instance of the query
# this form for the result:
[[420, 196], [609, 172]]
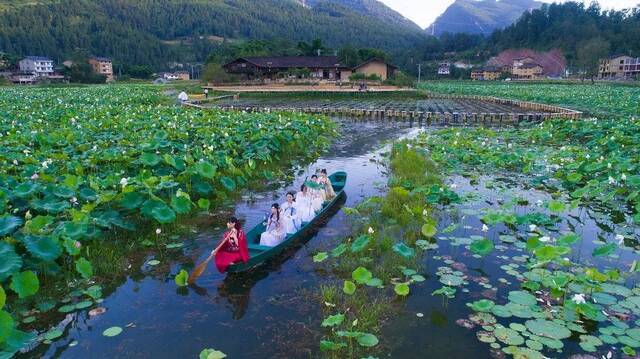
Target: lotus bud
[[485, 228], [158, 231], [28, 215], [371, 231]]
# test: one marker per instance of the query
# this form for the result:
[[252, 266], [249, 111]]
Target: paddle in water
[[202, 266]]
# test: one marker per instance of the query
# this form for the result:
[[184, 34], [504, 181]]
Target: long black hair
[[323, 171], [303, 187], [236, 223], [277, 207], [293, 194]]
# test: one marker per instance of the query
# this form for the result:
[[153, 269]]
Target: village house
[[316, 67], [526, 68], [102, 66], [487, 73], [444, 69], [37, 65], [183, 75], [619, 67]]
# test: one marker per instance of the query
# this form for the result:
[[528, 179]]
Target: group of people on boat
[[284, 219]]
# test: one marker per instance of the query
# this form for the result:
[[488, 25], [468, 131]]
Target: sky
[[424, 12]]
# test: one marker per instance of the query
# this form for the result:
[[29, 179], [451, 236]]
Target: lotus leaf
[[546, 328], [181, 278], [482, 247], [604, 250], [326, 345], [150, 159], [404, 250], [206, 169], [84, 267], [501, 311], [333, 320], [349, 287], [6, 325], [429, 230], [25, 189], [112, 332], [25, 284], [10, 262], [482, 305], [367, 340], [3, 297], [53, 334], [486, 337], [618, 289], [629, 341], [228, 183], [375, 282], [451, 280], [320, 257], [522, 297], [339, 250], [8, 224], [163, 214], [132, 200], [45, 248], [401, 289], [361, 275], [508, 336], [19, 339], [204, 204], [360, 244]]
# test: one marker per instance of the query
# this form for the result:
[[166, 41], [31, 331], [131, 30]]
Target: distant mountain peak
[[480, 16]]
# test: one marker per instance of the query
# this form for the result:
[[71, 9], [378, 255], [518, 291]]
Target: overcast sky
[[424, 12]]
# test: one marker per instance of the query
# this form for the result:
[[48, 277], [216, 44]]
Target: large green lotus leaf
[[508, 336], [326, 345], [204, 204], [360, 243], [522, 297], [181, 205], [84, 267], [429, 230], [202, 188], [50, 205], [25, 189], [181, 278], [451, 280], [339, 250], [25, 284], [38, 223], [149, 205], [75, 231], [367, 340], [482, 305], [618, 289], [88, 194], [548, 329], [45, 248], [150, 159], [110, 218], [163, 214], [19, 339], [349, 287], [604, 250], [333, 320], [132, 200], [481, 247], [205, 169], [228, 183], [10, 262], [6, 325], [8, 224], [361, 275], [63, 192], [401, 289], [404, 250]]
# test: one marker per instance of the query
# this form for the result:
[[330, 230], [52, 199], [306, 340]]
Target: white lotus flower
[[158, 231], [587, 156], [532, 227], [624, 177], [73, 200], [371, 231], [579, 299], [539, 203], [425, 212], [124, 181], [510, 145], [609, 165], [45, 165], [35, 176], [15, 162], [28, 215], [612, 180], [485, 228], [620, 239], [545, 239], [453, 186]]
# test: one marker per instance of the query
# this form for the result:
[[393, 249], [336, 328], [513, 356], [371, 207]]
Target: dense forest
[[156, 33]]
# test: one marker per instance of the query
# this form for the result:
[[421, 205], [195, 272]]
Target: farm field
[[87, 165], [598, 99]]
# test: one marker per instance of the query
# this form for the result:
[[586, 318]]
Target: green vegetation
[[598, 99], [378, 264], [81, 164]]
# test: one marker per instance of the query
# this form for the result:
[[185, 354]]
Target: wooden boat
[[259, 254]]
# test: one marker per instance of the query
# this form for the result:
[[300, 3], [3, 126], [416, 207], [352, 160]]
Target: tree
[[82, 72], [214, 73], [311, 49], [589, 53]]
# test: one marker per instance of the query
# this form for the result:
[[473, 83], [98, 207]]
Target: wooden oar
[[202, 266]]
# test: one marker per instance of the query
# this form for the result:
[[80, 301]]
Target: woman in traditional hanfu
[[328, 187], [233, 248], [317, 193], [275, 232], [290, 218], [304, 206]]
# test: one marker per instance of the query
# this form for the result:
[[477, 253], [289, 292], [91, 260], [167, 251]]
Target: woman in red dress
[[233, 248]]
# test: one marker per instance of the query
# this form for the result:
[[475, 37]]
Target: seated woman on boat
[[233, 248], [328, 187], [290, 219], [317, 194], [304, 207], [275, 232]]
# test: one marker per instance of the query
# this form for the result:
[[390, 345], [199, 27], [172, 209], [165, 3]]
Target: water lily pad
[[339, 250], [367, 340], [361, 275], [451, 280], [320, 257], [508, 336], [326, 345], [401, 289], [522, 297], [181, 278], [589, 343], [153, 262], [501, 311], [482, 247], [349, 287], [532, 344], [112, 332], [53, 334], [67, 308], [546, 328], [604, 250], [10, 262], [486, 337], [83, 305], [404, 250], [482, 305], [375, 282], [629, 341], [333, 320], [8, 224], [84, 267], [360, 244]]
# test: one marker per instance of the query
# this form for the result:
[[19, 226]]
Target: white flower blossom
[[158, 231], [620, 239], [609, 165], [545, 239], [453, 186], [124, 182], [532, 227], [624, 177], [485, 228], [612, 180], [579, 299], [371, 231], [35, 176]]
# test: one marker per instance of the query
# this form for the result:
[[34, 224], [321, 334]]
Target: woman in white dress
[[303, 204], [290, 218], [317, 195], [274, 234]]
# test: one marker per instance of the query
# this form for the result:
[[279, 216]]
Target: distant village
[[516, 65]]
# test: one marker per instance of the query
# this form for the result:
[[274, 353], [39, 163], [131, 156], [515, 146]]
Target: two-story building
[[619, 67], [37, 65], [487, 73], [444, 69], [102, 66], [527, 70]]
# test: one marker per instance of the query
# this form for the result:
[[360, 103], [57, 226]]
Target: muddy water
[[268, 313]]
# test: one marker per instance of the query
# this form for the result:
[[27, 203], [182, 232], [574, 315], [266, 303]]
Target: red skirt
[[224, 259]]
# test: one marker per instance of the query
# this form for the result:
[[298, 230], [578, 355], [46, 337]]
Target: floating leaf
[[163, 214], [204, 204], [557, 206], [429, 230], [404, 250], [367, 340], [84, 267], [326, 345], [181, 278], [45, 248], [25, 284], [206, 169], [361, 275], [349, 287], [112, 332], [522, 298], [228, 183], [549, 329], [375, 282], [360, 243], [53, 334], [604, 250], [339, 250], [401, 289], [333, 320], [320, 257], [481, 247], [482, 305]]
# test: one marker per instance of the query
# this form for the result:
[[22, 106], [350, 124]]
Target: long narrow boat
[[259, 254]]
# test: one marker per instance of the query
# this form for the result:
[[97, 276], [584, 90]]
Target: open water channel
[[274, 313]]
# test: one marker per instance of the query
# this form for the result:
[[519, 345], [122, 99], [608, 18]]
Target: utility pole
[[419, 72]]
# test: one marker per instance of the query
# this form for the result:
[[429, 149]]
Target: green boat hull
[[258, 254]]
